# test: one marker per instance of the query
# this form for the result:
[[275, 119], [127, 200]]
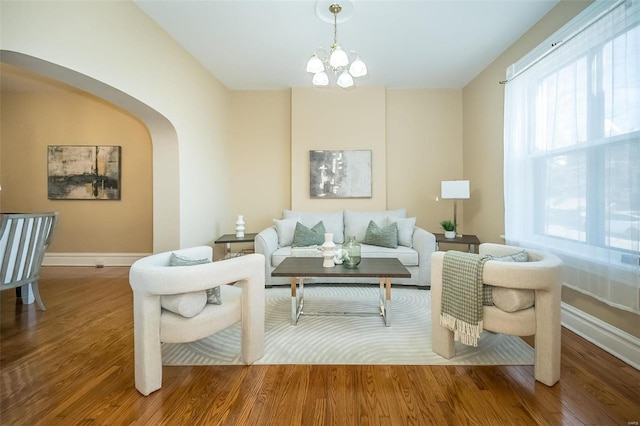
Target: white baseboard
[[618, 343], [91, 259]]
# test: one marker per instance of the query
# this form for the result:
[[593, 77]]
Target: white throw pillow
[[285, 229], [405, 229], [185, 304]]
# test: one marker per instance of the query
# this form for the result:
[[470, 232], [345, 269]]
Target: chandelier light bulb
[[315, 65], [358, 68], [345, 80], [338, 58], [320, 79]]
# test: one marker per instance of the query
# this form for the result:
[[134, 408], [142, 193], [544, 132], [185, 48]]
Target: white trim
[[91, 259], [618, 343]]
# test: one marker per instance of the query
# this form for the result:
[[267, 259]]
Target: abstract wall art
[[340, 174], [79, 172]]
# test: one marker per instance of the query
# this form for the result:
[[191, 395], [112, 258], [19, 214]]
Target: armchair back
[[24, 238]]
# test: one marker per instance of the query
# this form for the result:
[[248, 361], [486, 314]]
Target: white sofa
[[275, 243]]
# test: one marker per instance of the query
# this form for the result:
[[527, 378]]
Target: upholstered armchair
[[24, 238], [543, 275], [151, 278]]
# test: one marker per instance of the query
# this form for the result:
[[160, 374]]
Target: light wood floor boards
[[73, 364]]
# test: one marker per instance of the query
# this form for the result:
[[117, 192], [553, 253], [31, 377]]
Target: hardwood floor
[[73, 364]]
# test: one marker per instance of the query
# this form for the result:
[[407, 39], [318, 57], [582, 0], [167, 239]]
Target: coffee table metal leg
[[385, 300], [297, 300], [294, 302], [387, 303]]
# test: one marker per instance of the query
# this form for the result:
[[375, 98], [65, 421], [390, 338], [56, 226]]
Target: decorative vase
[[353, 253], [450, 234], [328, 251], [240, 226]]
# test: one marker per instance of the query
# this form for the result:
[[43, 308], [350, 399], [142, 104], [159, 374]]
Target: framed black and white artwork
[[83, 172], [340, 174]]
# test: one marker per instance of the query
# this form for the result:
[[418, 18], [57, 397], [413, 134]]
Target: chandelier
[[336, 60]]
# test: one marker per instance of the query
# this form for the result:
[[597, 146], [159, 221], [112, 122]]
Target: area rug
[[348, 339]]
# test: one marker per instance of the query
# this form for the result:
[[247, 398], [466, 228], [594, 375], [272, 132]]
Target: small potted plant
[[449, 229]]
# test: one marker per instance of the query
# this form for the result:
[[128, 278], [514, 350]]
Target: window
[[572, 151]]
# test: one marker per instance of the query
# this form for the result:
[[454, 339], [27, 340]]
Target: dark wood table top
[[368, 267], [231, 238], [465, 239]]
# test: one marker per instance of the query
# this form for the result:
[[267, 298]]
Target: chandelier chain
[[335, 30]]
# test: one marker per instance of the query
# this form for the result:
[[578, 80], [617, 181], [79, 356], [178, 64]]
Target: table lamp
[[454, 190]]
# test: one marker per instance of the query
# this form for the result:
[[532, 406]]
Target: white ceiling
[[265, 44]]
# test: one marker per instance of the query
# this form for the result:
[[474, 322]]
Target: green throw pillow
[[213, 294], [177, 260], [521, 256], [303, 236], [383, 237]]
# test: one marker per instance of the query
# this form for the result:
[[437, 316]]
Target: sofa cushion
[[309, 251], [405, 229], [379, 236], [285, 228], [304, 236], [282, 253], [406, 255], [356, 223], [333, 222]]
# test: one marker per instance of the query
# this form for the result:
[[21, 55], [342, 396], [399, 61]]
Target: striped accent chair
[[24, 237]]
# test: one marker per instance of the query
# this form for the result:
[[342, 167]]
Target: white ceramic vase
[[328, 251], [450, 234], [240, 226]]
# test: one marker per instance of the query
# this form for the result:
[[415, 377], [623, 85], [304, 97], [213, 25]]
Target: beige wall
[[32, 120], [337, 119], [112, 49], [483, 100], [260, 123], [424, 147]]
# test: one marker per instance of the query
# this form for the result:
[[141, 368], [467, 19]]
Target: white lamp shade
[[315, 65], [338, 58], [345, 80], [320, 79], [454, 189], [358, 68]]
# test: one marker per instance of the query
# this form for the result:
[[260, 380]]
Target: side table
[[228, 239], [471, 241]]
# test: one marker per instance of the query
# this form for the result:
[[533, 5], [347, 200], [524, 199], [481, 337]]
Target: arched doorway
[[166, 216]]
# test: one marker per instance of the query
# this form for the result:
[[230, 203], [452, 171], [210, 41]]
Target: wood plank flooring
[[73, 364]]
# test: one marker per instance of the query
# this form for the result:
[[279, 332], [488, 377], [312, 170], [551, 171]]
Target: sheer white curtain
[[572, 151]]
